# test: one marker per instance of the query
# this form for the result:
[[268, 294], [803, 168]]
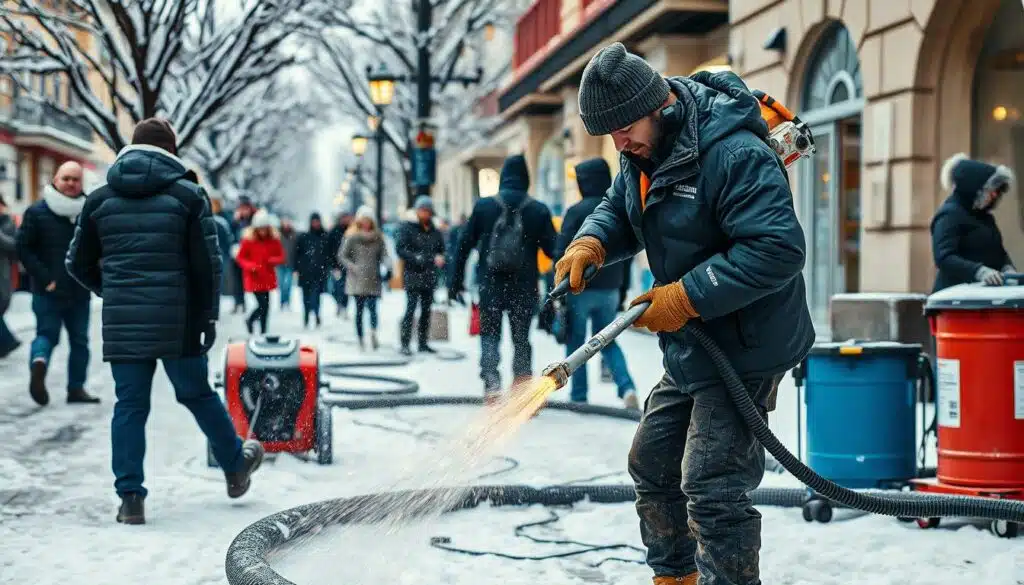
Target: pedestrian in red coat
[[259, 255]]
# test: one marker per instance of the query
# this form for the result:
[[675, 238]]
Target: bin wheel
[[817, 510], [926, 523], [211, 461], [1005, 529], [324, 434]]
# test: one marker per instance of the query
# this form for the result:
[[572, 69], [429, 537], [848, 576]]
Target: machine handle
[[562, 288], [1013, 279]]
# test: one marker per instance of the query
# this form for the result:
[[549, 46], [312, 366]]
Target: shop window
[[830, 188]]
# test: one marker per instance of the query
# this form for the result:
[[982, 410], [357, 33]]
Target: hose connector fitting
[[559, 372]]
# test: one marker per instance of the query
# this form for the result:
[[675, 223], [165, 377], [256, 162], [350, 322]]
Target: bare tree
[[371, 33], [180, 59]]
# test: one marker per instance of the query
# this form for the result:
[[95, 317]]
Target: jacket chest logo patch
[[685, 191]]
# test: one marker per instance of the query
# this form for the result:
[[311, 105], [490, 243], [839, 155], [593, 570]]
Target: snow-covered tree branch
[[181, 59]]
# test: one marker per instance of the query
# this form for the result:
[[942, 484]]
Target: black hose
[[397, 386], [900, 504]]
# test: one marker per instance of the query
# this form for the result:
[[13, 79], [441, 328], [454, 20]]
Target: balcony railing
[[30, 111], [541, 23]]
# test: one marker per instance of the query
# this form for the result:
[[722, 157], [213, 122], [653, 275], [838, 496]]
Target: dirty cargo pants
[[694, 463]]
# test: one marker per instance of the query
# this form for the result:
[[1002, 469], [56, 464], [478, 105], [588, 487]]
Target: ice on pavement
[[57, 505]]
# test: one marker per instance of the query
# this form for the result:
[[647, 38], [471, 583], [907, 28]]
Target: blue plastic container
[[861, 405]]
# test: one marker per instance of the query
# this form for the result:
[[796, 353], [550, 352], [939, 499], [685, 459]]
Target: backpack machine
[[272, 388]]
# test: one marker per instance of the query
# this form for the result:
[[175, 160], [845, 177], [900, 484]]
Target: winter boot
[[405, 351], [492, 397], [374, 341], [690, 579], [362, 344], [37, 382], [630, 401], [80, 396], [424, 348], [239, 481], [132, 510]]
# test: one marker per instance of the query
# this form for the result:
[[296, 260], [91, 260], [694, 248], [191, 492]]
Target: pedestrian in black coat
[[312, 263], [966, 241], [57, 300], [147, 243], [420, 245]]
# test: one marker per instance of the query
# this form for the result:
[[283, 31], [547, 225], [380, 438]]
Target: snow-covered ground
[[57, 504]]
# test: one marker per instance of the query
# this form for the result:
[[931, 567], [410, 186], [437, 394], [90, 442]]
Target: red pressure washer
[[272, 389]]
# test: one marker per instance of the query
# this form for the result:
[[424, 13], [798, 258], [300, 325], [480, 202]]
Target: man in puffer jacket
[[159, 272], [966, 241], [702, 192], [46, 231]]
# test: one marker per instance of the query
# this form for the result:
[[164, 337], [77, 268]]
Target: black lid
[[854, 348], [978, 297]]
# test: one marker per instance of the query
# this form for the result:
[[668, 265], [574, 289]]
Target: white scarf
[[62, 205]]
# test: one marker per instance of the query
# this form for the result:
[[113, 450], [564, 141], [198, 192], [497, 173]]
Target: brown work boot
[[690, 579]]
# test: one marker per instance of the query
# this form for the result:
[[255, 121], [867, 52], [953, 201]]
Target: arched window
[[833, 74]]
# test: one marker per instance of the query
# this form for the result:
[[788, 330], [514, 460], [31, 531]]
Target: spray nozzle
[[559, 372]]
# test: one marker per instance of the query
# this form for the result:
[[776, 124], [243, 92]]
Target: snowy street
[[57, 503]]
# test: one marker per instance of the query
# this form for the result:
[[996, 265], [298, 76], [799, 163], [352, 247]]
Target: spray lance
[[791, 135]]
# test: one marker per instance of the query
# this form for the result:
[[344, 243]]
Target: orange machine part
[[309, 363], [987, 448]]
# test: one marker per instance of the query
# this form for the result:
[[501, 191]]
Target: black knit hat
[[618, 88], [156, 132]]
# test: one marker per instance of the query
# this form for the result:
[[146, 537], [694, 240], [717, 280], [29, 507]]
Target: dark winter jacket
[[147, 243], [8, 257], [43, 239], [537, 225], [313, 258], [964, 239], [225, 237], [335, 239], [593, 178], [719, 217], [417, 245]]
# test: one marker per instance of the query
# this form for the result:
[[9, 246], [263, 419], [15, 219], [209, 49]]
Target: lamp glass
[[359, 144], [382, 91], [371, 122]]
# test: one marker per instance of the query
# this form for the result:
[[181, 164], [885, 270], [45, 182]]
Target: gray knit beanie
[[618, 88]]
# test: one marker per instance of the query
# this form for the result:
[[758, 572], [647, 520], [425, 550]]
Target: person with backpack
[[420, 245], [507, 230]]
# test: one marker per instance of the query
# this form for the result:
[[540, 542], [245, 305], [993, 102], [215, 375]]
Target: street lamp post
[[382, 92]]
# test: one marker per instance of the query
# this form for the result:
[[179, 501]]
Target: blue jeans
[[133, 384], [284, 284], [597, 307], [370, 303], [51, 314]]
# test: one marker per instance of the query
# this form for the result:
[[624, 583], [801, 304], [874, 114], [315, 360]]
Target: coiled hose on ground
[[395, 385]]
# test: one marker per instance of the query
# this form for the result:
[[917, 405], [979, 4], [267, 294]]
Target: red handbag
[[474, 319]]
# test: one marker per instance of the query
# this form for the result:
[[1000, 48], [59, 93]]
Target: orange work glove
[[581, 254], [670, 308]]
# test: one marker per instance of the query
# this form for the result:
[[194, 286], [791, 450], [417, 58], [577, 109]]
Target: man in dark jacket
[[701, 191], [46, 231], [241, 219], [420, 245], [8, 259], [515, 292], [599, 303], [158, 270], [966, 241], [312, 263]]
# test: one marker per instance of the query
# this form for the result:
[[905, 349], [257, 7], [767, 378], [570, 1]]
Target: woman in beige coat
[[362, 255]]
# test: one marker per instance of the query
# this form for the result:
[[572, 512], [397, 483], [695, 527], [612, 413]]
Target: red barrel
[[979, 334]]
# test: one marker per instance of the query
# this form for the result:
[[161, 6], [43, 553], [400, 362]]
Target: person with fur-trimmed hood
[[966, 242], [146, 242], [259, 255]]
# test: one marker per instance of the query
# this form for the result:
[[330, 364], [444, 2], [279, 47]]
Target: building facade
[[891, 88]]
